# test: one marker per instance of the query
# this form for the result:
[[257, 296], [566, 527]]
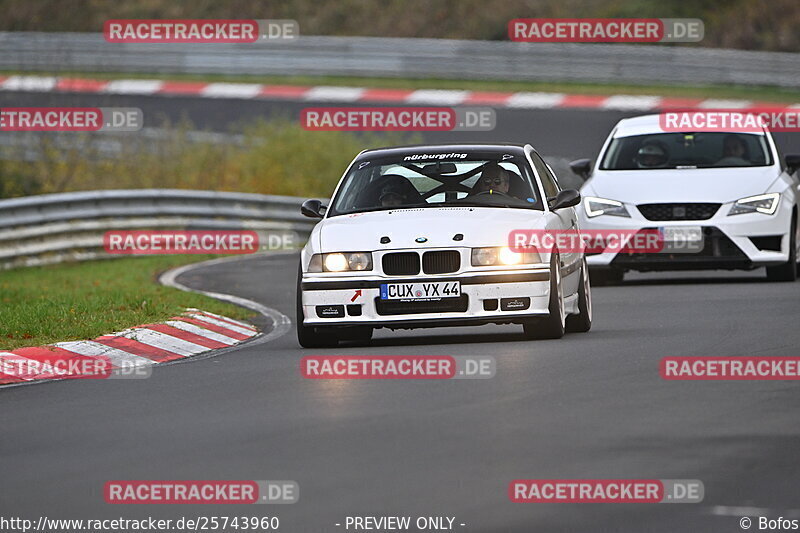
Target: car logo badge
[[679, 212], [421, 239]]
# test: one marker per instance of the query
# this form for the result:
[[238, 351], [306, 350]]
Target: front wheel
[[553, 325], [788, 270], [582, 322]]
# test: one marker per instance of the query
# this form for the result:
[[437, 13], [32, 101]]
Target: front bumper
[[346, 300], [729, 242]]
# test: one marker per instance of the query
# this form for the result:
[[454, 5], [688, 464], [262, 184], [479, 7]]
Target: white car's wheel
[[583, 320], [554, 325]]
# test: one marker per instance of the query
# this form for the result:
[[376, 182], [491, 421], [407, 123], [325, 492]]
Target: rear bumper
[[352, 302]]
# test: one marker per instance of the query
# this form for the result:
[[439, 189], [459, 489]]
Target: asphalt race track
[[583, 407]]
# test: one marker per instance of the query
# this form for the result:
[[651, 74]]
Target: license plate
[[682, 234], [433, 290]]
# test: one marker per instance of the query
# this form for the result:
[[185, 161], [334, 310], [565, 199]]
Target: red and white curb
[[190, 334], [249, 91]]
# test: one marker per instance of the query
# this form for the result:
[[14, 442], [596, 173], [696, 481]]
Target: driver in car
[[391, 196], [493, 179], [734, 151], [652, 155]]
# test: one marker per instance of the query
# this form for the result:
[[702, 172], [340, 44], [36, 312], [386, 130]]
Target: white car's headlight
[[341, 262], [595, 207], [763, 203], [502, 255]]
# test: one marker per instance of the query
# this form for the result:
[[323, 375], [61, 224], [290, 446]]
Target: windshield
[[436, 180], [687, 150]]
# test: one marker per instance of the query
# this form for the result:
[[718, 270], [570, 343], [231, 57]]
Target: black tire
[[607, 276], [553, 325], [788, 270], [582, 322], [309, 336]]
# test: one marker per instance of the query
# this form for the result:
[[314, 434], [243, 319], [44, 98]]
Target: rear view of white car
[[720, 200]]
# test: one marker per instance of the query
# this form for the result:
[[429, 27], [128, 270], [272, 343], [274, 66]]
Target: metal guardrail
[[406, 58], [51, 228]]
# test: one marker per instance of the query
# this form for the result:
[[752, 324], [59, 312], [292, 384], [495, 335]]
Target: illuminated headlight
[[763, 203], [595, 207], [341, 262], [502, 255]]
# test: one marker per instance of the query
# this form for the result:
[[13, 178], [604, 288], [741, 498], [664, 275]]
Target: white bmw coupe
[[720, 199], [418, 237]]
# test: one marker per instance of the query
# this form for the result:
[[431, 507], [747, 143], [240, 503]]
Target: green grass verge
[[765, 93], [276, 157], [73, 301]]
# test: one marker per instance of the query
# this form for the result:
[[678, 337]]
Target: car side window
[[549, 182]]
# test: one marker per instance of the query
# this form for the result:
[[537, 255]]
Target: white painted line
[[437, 97], [232, 90], [626, 102], [735, 510], [223, 318], [163, 341], [222, 324], [535, 100], [713, 103], [133, 86], [337, 94], [30, 83], [197, 330], [118, 358]]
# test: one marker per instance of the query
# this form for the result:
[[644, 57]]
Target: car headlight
[[595, 207], [341, 262], [763, 203], [502, 255]]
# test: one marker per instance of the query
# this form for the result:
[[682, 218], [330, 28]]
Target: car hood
[[718, 185], [480, 227]]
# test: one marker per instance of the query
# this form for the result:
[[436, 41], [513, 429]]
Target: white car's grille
[[693, 211]]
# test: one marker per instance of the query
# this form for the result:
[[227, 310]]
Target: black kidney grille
[[678, 211], [401, 264], [442, 262]]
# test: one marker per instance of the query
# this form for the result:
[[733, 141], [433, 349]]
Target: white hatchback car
[[418, 237], [726, 195]]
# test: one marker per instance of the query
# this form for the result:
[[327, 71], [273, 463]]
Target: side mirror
[[792, 163], [581, 167], [566, 198], [313, 209]]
